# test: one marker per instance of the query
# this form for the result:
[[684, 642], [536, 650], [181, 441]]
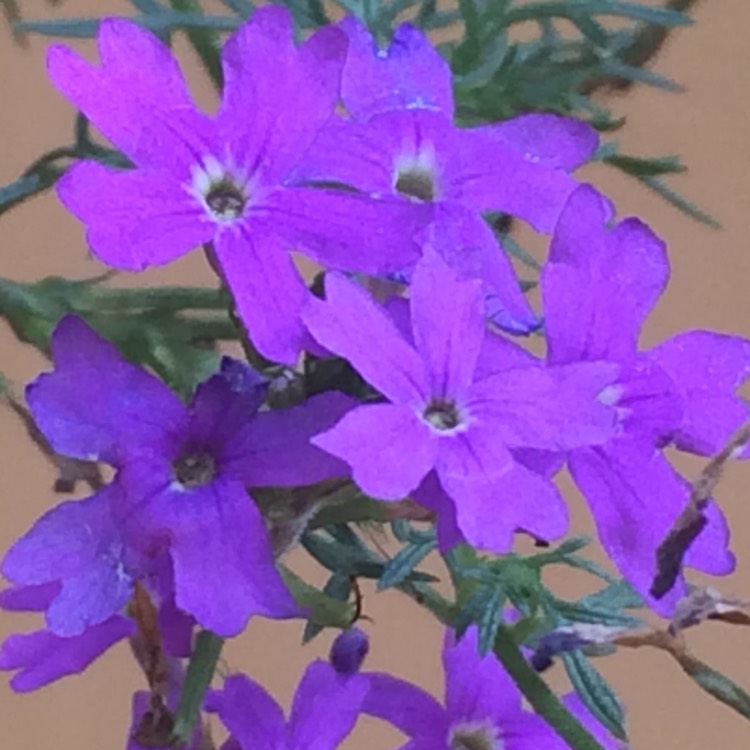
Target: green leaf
[[242, 8], [721, 687], [679, 201], [596, 693], [204, 41], [200, 672], [322, 609], [638, 166], [402, 565], [616, 596], [490, 619], [338, 587]]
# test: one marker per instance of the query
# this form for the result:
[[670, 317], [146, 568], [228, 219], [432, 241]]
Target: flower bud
[[349, 651]]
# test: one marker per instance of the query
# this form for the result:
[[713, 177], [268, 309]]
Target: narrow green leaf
[[204, 41], [490, 619], [721, 687], [242, 8], [595, 692], [679, 201], [402, 565], [200, 672], [642, 166]]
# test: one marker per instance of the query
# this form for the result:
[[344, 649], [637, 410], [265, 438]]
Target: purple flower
[[42, 657], [400, 141], [223, 179], [179, 495], [599, 285], [325, 708], [445, 429], [482, 707]]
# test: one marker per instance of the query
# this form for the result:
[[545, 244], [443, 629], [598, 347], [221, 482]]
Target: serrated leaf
[[489, 620], [402, 565], [596, 693]]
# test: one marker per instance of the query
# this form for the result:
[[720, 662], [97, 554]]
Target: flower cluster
[[348, 154]]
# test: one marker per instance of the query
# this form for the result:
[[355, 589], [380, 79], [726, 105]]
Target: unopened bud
[[349, 651]]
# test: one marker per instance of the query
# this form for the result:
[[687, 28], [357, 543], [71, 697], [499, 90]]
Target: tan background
[[709, 127]]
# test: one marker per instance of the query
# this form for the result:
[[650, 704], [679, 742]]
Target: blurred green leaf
[[337, 587]]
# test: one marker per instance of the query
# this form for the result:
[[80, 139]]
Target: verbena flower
[[41, 657], [599, 285], [446, 428], [325, 708], [400, 141], [178, 510], [224, 179], [481, 709]]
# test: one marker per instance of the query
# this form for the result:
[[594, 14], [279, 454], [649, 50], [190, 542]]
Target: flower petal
[[268, 291], [150, 117], [448, 322], [346, 231], [547, 139], [275, 449], [707, 368], [599, 283], [226, 402], [350, 324], [486, 175], [490, 511], [410, 709], [42, 657], [223, 565], [388, 447], [635, 497], [133, 411], [252, 717], [468, 245], [476, 687], [77, 544], [268, 80], [325, 708], [410, 74], [554, 408], [134, 218]]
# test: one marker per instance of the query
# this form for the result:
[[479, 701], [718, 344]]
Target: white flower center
[[222, 189], [475, 735], [416, 175]]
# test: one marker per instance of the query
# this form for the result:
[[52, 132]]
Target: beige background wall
[[709, 127]]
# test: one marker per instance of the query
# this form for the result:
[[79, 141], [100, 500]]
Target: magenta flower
[[224, 179], [600, 283], [325, 708], [178, 510], [482, 707], [400, 142], [442, 415]]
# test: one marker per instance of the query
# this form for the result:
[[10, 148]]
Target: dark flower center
[[416, 183], [193, 469], [442, 415], [474, 738], [226, 200]]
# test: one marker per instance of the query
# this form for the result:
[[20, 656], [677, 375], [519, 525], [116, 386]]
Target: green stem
[[200, 672], [540, 696]]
